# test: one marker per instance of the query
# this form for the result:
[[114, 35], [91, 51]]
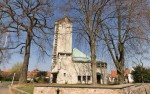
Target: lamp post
[[58, 90]]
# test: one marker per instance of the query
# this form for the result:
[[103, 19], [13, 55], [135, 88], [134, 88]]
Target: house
[[33, 74], [71, 66], [5, 73], [127, 73]]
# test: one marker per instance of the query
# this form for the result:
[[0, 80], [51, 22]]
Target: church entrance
[[54, 79], [98, 78]]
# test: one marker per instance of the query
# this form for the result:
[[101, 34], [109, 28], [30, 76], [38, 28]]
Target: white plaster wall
[[68, 71], [82, 69], [65, 70], [72, 70], [65, 37]]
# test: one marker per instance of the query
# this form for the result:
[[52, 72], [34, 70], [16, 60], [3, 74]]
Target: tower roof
[[65, 18]]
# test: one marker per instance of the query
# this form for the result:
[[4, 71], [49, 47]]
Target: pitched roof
[[65, 18], [6, 71], [114, 73], [35, 72], [127, 72], [79, 56]]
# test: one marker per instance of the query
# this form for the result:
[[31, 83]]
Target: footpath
[[4, 88]]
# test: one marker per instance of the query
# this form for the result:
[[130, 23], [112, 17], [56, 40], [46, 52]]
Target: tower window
[[64, 74]]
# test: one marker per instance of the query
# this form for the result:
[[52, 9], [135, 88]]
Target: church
[[71, 66]]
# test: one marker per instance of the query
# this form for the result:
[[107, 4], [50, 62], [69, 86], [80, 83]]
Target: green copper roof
[[79, 56]]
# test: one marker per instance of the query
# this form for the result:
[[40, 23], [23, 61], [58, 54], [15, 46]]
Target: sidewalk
[[4, 88]]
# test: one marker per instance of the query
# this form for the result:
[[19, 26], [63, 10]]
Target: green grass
[[27, 88]]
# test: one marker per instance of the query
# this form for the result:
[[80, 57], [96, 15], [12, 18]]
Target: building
[[71, 66], [32, 74], [5, 73], [127, 74]]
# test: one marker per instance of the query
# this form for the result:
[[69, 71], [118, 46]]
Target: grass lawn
[[5, 83], [27, 88]]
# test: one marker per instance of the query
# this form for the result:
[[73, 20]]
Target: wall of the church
[[70, 72], [64, 37]]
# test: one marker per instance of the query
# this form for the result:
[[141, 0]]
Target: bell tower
[[62, 43]]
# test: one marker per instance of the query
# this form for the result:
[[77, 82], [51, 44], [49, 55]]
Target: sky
[[46, 64], [34, 63]]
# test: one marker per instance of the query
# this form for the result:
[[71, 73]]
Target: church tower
[[62, 43]]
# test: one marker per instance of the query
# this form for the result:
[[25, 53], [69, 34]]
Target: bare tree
[[27, 21], [120, 23], [123, 31], [87, 15], [4, 55]]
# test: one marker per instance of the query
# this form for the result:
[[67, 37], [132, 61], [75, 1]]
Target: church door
[[54, 80], [98, 78]]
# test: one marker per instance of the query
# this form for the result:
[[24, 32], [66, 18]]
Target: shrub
[[40, 77], [141, 74]]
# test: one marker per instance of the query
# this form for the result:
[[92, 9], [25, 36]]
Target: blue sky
[[45, 65], [34, 63]]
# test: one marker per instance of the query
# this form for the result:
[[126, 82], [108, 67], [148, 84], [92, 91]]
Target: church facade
[[71, 66]]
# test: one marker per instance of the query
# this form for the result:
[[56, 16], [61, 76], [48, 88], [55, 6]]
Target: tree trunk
[[120, 73], [93, 61], [23, 76], [121, 62]]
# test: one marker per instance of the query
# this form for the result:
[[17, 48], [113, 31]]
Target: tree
[[1, 76], [88, 13], [122, 31], [119, 23], [28, 22], [4, 55], [41, 74], [141, 74], [41, 77], [16, 68]]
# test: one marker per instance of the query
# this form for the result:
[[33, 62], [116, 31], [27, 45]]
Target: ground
[[4, 88]]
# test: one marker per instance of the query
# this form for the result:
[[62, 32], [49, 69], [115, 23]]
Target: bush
[[16, 68], [141, 74], [1, 77], [40, 77], [7, 77]]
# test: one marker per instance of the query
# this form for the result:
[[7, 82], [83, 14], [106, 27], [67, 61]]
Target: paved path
[[4, 88]]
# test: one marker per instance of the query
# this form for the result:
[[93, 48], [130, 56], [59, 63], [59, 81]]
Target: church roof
[[79, 56]]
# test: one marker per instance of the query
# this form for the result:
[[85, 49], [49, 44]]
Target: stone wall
[[89, 89]]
